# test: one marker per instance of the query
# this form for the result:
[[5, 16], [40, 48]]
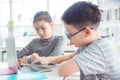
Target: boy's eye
[[42, 28], [37, 29]]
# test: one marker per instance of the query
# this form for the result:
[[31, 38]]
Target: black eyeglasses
[[69, 36]]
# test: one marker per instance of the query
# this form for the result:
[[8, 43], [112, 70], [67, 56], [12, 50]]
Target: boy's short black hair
[[81, 14], [42, 15]]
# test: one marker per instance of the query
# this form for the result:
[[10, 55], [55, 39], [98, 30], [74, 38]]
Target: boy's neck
[[94, 38], [49, 38]]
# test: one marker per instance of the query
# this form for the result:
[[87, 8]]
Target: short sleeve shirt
[[99, 61]]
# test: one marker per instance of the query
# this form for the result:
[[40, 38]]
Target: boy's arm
[[51, 59], [28, 50], [22, 55], [61, 58], [68, 68]]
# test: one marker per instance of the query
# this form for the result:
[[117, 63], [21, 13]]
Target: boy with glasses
[[96, 58]]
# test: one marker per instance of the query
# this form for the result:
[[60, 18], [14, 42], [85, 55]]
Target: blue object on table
[[25, 76]]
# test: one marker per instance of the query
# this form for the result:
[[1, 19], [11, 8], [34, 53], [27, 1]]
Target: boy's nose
[[40, 32]]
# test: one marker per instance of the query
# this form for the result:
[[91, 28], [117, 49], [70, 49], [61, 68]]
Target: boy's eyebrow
[[40, 26]]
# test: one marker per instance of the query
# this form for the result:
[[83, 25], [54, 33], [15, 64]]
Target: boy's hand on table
[[35, 58], [20, 63], [22, 60]]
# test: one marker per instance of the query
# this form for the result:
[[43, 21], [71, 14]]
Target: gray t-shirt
[[51, 47], [99, 61]]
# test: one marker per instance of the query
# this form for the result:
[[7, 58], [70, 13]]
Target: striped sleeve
[[91, 60]]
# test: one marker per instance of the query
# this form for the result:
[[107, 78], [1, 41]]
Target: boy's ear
[[88, 31], [52, 24]]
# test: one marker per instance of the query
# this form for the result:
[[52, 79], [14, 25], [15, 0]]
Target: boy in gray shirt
[[96, 58], [48, 44]]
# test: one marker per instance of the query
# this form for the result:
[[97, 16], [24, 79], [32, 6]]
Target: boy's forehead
[[41, 23]]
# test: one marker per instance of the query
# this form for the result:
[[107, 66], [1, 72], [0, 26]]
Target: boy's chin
[[43, 37], [78, 45]]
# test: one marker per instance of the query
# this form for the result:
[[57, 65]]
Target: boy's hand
[[35, 59], [22, 61]]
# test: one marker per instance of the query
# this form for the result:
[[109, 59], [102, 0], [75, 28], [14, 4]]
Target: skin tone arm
[[50, 59], [67, 68]]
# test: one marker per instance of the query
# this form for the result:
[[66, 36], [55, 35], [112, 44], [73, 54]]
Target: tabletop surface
[[53, 75]]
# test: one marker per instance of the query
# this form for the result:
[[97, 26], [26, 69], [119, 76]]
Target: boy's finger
[[33, 63], [20, 64], [32, 57]]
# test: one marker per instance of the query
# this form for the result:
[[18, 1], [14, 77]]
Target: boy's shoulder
[[101, 43], [104, 40]]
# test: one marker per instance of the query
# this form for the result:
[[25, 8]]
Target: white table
[[53, 75]]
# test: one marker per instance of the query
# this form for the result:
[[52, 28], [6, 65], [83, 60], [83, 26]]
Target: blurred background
[[16, 18]]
